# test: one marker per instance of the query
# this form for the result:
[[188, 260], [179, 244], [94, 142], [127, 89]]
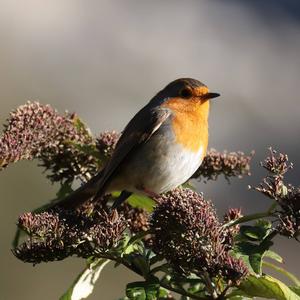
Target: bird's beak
[[208, 96]]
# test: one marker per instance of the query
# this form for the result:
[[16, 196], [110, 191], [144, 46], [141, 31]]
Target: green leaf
[[188, 185], [237, 294], [143, 290], [134, 244], [258, 232], [141, 202], [138, 201], [65, 189], [295, 289], [282, 271], [18, 235], [273, 206], [163, 293], [89, 149], [263, 223], [238, 297], [252, 254], [132, 248], [256, 262], [152, 291], [252, 232], [83, 285], [140, 262], [273, 255], [136, 291], [267, 287], [123, 243], [81, 126]]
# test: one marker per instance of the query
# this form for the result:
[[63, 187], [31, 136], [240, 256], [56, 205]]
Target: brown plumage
[[160, 148]]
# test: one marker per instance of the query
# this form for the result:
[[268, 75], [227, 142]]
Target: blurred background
[[106, 59]]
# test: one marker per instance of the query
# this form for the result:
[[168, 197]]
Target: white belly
[[174, 171], [158, 166]]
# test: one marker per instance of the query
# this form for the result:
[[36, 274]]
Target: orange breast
[[190, 123]]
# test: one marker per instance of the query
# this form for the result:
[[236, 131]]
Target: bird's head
[[188, 89]]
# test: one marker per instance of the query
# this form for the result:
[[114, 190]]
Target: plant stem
[[159, 268], [248, 218], [222, 295], [210, 286], [163, 284], [292, 277]]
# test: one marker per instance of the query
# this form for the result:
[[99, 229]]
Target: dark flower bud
[[62, 143], [229, 164], [106, 142], [287, 196], [289, 215], [137, 218], [188, 234], [232, 215], [289, 226], [40, 224], [57, 234], [277, 163], [233, 270]]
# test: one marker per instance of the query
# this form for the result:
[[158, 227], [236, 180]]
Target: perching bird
[[160, 148]]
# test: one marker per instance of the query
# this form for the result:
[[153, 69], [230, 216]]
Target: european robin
[[160, 148]]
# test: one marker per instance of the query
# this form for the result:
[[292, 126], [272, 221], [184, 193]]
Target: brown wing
[[138, 131]]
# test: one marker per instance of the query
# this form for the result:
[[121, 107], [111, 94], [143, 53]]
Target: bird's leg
[[123, 196], [150, 194]]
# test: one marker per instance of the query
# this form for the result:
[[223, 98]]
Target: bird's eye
[[186, 93]]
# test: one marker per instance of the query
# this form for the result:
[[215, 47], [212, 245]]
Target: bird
[[160, 148]]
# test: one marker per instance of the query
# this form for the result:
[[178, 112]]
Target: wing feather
[[138, 131]]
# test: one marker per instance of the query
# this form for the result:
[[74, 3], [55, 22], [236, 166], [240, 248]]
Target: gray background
[[106, 59]]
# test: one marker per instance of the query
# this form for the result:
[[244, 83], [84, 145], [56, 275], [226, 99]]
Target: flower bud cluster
[[188, 234], [36, 131], [57, 234], [229, 164]]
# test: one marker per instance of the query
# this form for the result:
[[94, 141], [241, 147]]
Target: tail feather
[[81, 195]]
